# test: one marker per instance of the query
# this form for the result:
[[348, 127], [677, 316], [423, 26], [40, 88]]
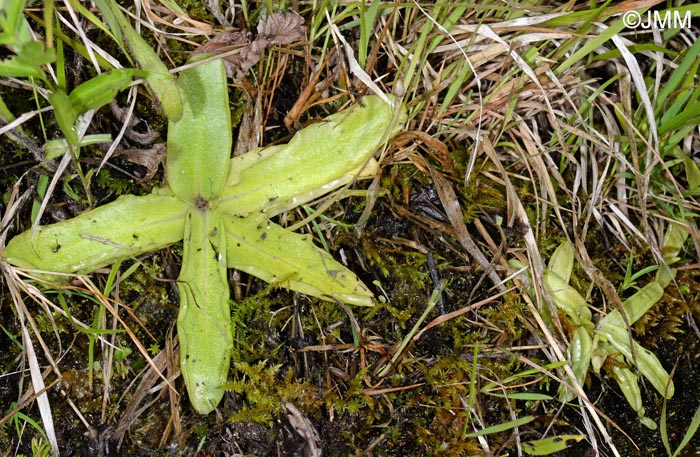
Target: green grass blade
[[160, 80], [689, 434], [502, 427], [591, 45]]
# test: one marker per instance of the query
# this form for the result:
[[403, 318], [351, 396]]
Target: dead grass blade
[[652, 154], [355, 67], [303, 426], [180, 17], [146, 387], [454, 314], [449, 201], [34, 370]]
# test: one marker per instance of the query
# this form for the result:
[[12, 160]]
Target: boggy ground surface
[[411, 375]]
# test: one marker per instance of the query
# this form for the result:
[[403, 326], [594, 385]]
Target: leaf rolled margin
[[644, 360], [127, 227], [317, 160], [266, 250], [204, 322], [199, 144]]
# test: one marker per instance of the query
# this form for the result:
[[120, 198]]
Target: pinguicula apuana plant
[[220, 207]]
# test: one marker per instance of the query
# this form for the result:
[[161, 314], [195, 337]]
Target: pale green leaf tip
[[355, 299], [206, 401]]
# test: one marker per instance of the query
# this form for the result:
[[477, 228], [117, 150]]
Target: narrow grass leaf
[[94, 20], [79, 325], [367, 18], [689, 116], [502, 427], [526, 396], [664, 430], [594, 43], [681, 73], [38, 385], [159, 79], [456, 86], [523, 374], [65, 115], [434, 297], [690, 433], [21, 417], [640, 85]]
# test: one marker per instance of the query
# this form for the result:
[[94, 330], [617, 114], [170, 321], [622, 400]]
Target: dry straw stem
[[34, 369], [535, 156]]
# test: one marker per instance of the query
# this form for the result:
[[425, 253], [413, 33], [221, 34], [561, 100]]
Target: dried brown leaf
[[149, 158], [302, 425], [225, 41], [238, 65], [449, 201], [280, 28]]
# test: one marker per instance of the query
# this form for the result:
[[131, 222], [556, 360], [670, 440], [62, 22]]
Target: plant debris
[[280, 28]]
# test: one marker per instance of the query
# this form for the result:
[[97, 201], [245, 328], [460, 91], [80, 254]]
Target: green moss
[[264, 390]]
